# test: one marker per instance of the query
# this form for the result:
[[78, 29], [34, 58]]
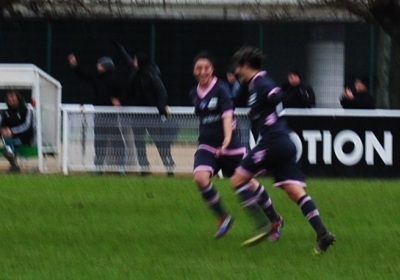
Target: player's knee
[[238, 179], [295, 192], [202, 179]]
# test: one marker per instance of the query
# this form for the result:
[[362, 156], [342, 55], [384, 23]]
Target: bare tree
[[16, 9], [385, 14]]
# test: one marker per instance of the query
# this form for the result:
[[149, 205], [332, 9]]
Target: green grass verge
[[109, 227]]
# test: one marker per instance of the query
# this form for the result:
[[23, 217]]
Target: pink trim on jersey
[[227, 113], [227, 152], [204, 168], [274, 91], [261, 73], [292, 182], [202, 92], [271, 119]]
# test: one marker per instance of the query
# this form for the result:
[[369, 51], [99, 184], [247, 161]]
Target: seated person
[[359, 97], [296, 94], [16, 127]]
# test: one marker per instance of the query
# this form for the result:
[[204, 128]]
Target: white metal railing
[[79, 138]]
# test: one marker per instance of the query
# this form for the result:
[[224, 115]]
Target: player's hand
[[348, 94], [223, 147], [6, 132], [73, 62]]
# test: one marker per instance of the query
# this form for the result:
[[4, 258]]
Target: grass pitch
[[109, 227]]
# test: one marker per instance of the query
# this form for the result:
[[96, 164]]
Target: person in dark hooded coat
[[145, 88], [358, 97], [107, 92], [16, 127], [296, 94]]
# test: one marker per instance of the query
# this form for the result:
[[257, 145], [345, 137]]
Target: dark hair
[[107, 63], [248, 54], [142, 60], [204, 55], [294, 72], [230, 69], [21, 100]]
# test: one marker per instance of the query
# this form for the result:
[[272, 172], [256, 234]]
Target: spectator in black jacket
[[359, 97], [145, 88], [296, 94], [107, 128], [232, 82], [16, 127]]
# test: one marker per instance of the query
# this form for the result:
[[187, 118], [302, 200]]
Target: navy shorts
[[206, 160], [275, 157]]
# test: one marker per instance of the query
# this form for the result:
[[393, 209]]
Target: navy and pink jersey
[[275, 152], [263, 97], [211, 106]]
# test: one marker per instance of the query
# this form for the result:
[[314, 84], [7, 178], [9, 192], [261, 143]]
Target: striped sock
[[249, 201], [311, 213], [212, 198], [265, 203]]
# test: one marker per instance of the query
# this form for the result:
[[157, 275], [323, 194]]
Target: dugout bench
[[45, 92]]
